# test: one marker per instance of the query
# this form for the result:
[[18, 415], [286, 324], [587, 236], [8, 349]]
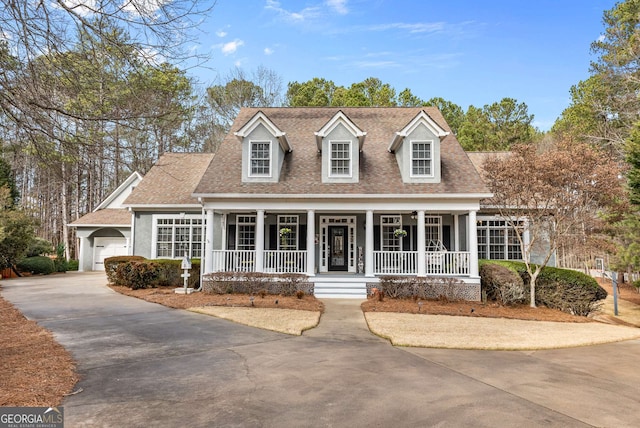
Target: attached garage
[[104, 247]]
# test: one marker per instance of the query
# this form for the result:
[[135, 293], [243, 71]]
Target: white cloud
[[221, 33], [231, 47], [81, 7], [420, 27], [340, 6], [146, 8], [301, 16], [268, 51]]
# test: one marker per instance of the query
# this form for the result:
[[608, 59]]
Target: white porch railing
[[274, 261], [234, 261], [285, 261], [452, 263]]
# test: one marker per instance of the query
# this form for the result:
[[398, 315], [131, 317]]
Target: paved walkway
[[342, 320], [143, 364]]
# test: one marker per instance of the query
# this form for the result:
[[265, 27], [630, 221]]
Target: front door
[[338, 256]]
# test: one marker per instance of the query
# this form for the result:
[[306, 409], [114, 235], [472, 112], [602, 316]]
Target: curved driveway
[[146, 365]]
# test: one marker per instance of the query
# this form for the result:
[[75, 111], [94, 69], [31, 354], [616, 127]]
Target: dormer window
[[260, 161], [340, 159], [421, 158]]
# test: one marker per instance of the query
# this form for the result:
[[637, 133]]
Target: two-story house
[[343, 195]]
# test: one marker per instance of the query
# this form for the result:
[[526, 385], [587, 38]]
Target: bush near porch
[[567, 290], [256, 283], [136, 272], [405, 287]]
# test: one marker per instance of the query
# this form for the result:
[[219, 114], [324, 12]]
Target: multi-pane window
[[340, 159], [421, 158], [175, 236], [288, 232], [260, 159], [497, 240], [391, 235], [246, 232], [433, 233]]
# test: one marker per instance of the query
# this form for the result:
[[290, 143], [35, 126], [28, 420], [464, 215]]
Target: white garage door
[[107, 247]]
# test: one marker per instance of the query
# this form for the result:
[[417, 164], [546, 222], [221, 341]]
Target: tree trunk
[[532, 296]]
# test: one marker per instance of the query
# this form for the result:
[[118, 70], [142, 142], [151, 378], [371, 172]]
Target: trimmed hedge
[[38, 265], [137, 272], [111, 267], [567, 290], [256, 283], [404, 287], [502, 284]]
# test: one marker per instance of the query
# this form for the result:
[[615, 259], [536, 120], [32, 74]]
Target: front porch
[[357, 247]]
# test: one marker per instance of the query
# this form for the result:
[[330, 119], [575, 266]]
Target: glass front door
[[338, 255]]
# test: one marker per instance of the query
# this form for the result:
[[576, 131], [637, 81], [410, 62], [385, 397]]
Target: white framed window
[[260, 159], [246, 232], [497, 240], [433, 233], [422, 158], [390, 239], [340, 159], [287, 232], [175, 235]]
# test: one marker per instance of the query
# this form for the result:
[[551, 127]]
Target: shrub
[[404, 287], [256, 283], [111, 267], [169, 271], [138, 274], [38, 247], [502, 284], [567, 290], [60, 261], [636, 284], [73, 265], [37, 265]]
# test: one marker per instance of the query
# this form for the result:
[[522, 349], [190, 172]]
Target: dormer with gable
[[340, 142], [264, 147], [417, 149]]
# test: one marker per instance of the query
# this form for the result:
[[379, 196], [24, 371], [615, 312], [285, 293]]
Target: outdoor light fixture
[[414, 214]]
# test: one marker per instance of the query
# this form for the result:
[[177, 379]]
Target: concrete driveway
[[146, 365]]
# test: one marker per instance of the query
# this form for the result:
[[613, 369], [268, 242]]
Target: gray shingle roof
[[171, 180], [105, 217], [301, 172]]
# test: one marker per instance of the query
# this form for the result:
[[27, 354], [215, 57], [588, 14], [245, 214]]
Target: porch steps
[[327, 287]]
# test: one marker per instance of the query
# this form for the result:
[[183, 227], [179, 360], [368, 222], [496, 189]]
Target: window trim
[[330, 158], [507, 233], [250, 172], [191, 217], [294, 226], [251, 222], [430, 159], [395, 222]]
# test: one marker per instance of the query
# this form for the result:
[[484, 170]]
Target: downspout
[[203, 253]]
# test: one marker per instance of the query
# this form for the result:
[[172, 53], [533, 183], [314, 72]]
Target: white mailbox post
[[186, 266]]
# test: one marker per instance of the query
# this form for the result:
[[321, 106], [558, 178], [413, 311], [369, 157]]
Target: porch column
[[422, 246], [223, 227], [368, 244], [208, 242], [311, 243], [473, 244], [456, 232], [259, 241], [81, 256]]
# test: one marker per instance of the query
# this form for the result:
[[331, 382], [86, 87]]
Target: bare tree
[[556, 194]]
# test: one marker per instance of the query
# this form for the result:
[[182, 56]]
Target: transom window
[[177, 235], [421, 158], [260, 159], [391, 235], [340, 159], [246, 232], [288, 232], [497, 240]]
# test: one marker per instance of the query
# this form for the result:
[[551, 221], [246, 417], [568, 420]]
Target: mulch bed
[[166, 296], [34, 369]]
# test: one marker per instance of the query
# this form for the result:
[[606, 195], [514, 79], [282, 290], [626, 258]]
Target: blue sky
[[468, 52]]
